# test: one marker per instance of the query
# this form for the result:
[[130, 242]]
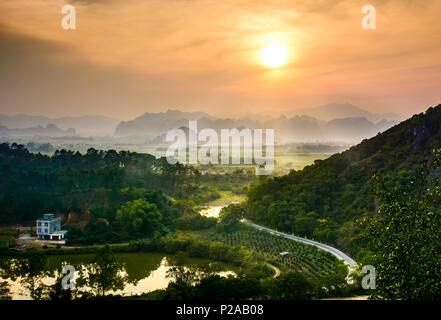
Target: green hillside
[[324, 200]]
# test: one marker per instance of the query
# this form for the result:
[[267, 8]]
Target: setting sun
[[274, 55]]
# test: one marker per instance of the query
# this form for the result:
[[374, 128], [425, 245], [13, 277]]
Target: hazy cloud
[[128, 57]]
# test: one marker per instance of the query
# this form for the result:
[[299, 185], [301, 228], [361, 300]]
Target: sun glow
[[274, 55]]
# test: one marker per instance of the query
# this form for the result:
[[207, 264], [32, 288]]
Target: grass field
[[303, 258], [287, 157], [227, 197], [286, 161], [7, 235]]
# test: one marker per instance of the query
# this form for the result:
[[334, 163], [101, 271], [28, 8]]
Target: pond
[[145, 271]]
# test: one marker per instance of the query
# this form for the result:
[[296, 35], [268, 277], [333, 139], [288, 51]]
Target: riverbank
[[186, 244]]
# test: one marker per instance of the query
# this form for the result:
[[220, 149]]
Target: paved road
[[337, 253]]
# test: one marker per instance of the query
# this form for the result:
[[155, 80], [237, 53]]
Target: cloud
[[16, 45], [33, 81], [38, 78], [89, 2], [135, 56]]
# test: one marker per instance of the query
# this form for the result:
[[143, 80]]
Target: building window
[[39, 224], [39, 230], [46, 231], [45, 224]]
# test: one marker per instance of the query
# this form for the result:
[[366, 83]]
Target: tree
[[57, 292], [185, 207], [289, 286], [232, 212], [334, 284], [218, 287], [104, 273], [32, 269], [405, 236], [139, 216], [230, 217], [184, 276], [4, 291]]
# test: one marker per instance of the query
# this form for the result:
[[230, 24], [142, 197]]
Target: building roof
[[46, 219], [59, 232]]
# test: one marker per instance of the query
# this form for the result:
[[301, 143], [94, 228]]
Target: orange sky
[[128, 57]]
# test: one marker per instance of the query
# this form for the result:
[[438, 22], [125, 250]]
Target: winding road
[[276, 270], [214, 211], [337, 253]]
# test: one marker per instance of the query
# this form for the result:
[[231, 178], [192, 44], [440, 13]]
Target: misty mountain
[[340, 111], [309, 129], [306, 128], [84, 125], [154, 124], [50, 130], [356, 129], [296, 129]]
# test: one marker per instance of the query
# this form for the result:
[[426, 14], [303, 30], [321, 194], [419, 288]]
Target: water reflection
[[211, 212], [142, 272]]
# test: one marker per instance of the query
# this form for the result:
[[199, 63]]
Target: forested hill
[[324, 200], [32, 183]]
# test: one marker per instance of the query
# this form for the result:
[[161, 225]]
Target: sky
[[128, 57]]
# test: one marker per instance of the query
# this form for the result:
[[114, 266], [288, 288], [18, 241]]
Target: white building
[[49, 228]]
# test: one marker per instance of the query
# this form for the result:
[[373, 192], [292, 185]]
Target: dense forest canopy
[[32, 183]]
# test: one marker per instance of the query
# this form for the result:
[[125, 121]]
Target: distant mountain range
[[294, 129], [84, 125], [153, 124], [50, 130], [346, 110], [332, 122]]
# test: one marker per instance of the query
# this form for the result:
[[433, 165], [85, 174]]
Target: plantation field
[[303, 258]]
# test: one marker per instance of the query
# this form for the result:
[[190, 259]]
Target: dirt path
[[276, 270]]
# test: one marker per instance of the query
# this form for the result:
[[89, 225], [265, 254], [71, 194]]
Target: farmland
[[302, 258]]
